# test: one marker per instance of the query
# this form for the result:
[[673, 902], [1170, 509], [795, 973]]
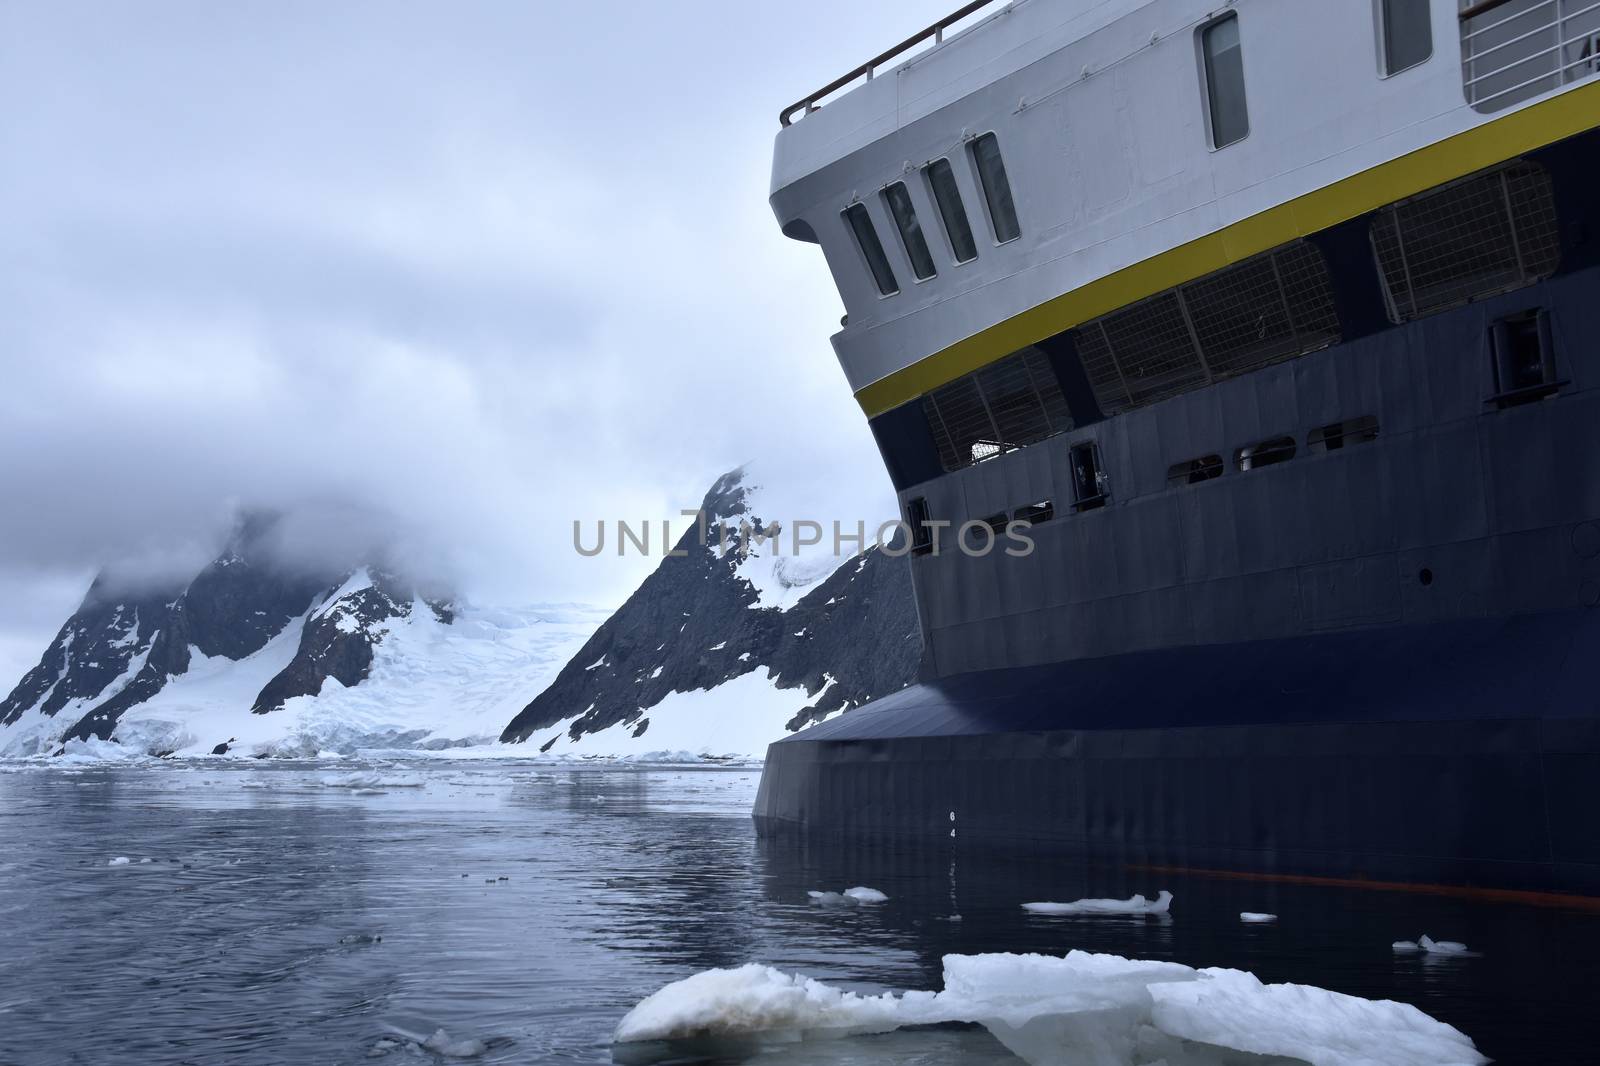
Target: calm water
[[527, 909]]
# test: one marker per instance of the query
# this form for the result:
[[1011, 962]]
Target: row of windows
[[1524, 371], [1486, 234], [1276, 450], [940, 178], [1511, 51], [1090, 488], [1405, 40]]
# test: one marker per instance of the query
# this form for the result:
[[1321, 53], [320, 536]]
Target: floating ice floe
[[120, 860], [1083, 1009], [1257, 917], [849, 897], [1136, 904], [442, 1043], [371, 784], [1430, 946]]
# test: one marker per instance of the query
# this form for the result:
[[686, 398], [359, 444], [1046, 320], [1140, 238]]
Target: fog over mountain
[[474, 271]]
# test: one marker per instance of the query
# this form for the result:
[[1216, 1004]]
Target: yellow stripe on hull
[[1483, 146]]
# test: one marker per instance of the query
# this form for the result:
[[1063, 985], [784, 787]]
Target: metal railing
[[1532, 48], [869, 68]]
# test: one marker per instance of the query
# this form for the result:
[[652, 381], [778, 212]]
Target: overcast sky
[[482, 267]]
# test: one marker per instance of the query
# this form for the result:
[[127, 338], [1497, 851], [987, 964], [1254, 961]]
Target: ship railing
[[866, 71], [1537, 38]]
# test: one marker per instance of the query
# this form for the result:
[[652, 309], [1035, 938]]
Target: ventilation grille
[[1006, 405], [1488, 234], [1255, 313]]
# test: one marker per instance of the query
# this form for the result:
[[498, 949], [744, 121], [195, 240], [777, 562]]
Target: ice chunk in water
[[1430, 946], [1442, 947], [832, 899], [1137, 904], [1256, 916], [755, 999], [862, 894], [442, 1043], [1083, 1009], [1233, 1009], [366, 784], [120, 860]]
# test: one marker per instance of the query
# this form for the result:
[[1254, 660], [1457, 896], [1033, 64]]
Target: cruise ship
[[1277, 327]]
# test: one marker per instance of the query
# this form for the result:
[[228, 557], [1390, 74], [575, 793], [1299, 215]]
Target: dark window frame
[[1385, 21], [949, 211], [1000, 190], [913, 238], [918, 518], [1212, 74], [1337, 436], [1517, 380], [1195, 471], [867, 242], [1269, 451], [1090, 484]]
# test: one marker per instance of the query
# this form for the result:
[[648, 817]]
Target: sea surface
[[506, 912]]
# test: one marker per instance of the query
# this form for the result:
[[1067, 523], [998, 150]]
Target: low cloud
[[469, 273]]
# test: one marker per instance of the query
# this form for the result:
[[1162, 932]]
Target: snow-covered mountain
[[733, 639], [257, 656]]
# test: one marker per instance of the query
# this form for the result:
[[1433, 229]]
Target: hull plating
[[1458, 753]]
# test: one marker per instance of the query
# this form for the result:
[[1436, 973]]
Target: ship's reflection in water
[[510, 913]]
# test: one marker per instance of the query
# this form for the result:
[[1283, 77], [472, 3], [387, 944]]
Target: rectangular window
[[942, 184], [1407, 33], [921, 532], [996, 188], [1266, 453], [1224, 61], [1524, 359], [1088, 480], [1331, 438], [1194, 471], [898, 199], [867, 239], [1035, 513]]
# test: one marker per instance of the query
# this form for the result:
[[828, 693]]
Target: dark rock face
[[695, 623], [338, 638], [107, 634], [236, 605]]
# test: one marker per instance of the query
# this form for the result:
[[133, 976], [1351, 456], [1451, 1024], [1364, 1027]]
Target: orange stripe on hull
[[1556, 900]]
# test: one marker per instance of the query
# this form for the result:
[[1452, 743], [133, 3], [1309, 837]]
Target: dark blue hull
[[1374, 658], [1462, 753]]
